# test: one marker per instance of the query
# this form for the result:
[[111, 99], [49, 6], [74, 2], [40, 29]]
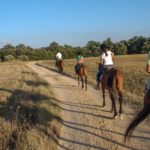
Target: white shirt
[[59, 55], [107, 59]]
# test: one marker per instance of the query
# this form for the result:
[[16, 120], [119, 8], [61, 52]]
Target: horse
[[112, 79], [82, 74], [59, 65], [141, 116]]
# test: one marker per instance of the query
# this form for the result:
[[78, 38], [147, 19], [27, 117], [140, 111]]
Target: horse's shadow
[[37, 115], [35, 83], [57, 103], [56, 71], [21, 106], [80, 105]]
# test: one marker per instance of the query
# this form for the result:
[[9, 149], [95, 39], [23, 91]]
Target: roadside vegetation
[[28, 115], [135, 45]]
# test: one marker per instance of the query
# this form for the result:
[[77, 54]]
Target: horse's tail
[[137, 120], [111, 79]]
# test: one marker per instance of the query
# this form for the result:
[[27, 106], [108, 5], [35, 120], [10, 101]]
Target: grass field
[[133, 67], [28, 115], [28, 118]]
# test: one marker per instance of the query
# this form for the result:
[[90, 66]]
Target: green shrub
[[23, 57], [9, 58]]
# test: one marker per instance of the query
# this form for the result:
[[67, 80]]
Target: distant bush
[[23, 57], [9, 58]]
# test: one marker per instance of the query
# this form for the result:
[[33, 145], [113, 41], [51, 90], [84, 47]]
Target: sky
[[37, 23]]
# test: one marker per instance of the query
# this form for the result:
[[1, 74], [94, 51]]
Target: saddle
[[110, 69], [58, 61], [78, 67]]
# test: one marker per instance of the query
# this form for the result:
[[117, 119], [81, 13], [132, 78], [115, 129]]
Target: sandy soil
[[85, 124]]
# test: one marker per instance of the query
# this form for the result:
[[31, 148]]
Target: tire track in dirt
[[85, 124]]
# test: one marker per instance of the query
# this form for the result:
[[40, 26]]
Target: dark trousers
[[102, 70]]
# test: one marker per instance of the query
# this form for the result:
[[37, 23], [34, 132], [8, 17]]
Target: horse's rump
[[82, 73], [112, 80], [59, 65], [80, 68]]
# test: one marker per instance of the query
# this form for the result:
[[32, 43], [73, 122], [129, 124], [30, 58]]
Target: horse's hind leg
[[112, 97], [119, 89], [120, 102], [78, 80], [82, 81], [103, 91], [122, 116], [61, 70], [85, 82]]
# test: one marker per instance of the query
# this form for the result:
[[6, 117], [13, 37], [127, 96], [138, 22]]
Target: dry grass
[[133, 67], [28, 115]]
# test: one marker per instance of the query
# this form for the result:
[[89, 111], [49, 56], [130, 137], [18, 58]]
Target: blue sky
[[74, 22]]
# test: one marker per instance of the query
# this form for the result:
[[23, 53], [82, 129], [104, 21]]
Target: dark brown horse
[[59, 65], [112, 80], [140, 116], [82, 74]]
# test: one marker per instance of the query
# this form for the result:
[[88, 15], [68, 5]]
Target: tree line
[[135, 45]]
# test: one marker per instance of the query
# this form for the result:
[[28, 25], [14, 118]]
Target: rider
[[105, 61], [147, 87], [80, 61], [148, 63], [58, 57]]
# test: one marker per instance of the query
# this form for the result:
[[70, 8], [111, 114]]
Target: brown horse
[[140, 116], [59, 65], [82, 74], [112, 80]]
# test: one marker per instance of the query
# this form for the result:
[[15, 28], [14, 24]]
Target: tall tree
[[93, 47]]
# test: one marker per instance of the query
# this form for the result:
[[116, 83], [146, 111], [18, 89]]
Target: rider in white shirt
[[105, 61], [58, 56], [107, 58]]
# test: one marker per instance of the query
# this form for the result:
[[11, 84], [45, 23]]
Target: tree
[[136, 44], [93, 48], [109, 43], [120, 49], [146, 46], [54, 47], [8, 47]]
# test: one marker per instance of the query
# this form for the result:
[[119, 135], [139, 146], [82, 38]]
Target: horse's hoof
[[103, 105], [122, 116], [116, 116], [97, 88]]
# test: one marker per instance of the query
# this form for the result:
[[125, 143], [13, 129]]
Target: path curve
[[85, 124]]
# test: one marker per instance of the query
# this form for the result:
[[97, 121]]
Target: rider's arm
[[148, 59], [112, 54], [101, 61]]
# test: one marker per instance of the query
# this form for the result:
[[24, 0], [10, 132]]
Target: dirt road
[[86, 125]]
